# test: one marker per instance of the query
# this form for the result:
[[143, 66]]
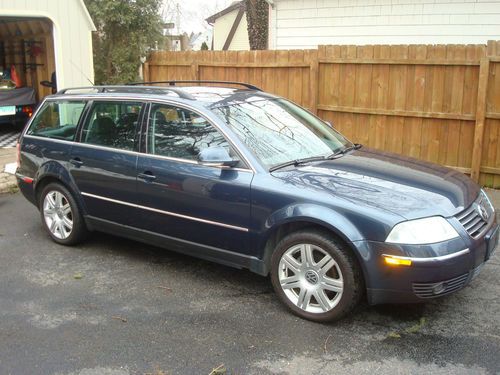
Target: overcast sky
[[192, 12]]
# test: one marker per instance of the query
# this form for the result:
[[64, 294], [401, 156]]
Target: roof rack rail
[[173, 83], [129, 88]]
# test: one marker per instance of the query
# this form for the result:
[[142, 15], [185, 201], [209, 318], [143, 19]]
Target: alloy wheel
[[310, 278], [57, 214]]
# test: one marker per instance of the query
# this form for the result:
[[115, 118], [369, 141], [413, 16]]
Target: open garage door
[[28, 45], [27, 68]]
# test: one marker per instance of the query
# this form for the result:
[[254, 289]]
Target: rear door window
[[112, 124], [57, 119]]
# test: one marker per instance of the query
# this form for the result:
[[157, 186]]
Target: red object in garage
[[14, 77]]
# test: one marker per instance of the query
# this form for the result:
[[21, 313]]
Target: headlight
[[488, 200], [422, 231]]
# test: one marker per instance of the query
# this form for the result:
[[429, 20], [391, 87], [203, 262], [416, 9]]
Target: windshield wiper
[[296, 162], [345, 150]]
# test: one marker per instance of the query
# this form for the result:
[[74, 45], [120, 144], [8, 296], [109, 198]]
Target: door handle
[[77, 162], [147, 176]]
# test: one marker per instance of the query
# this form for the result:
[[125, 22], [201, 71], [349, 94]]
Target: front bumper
[[436, 270]]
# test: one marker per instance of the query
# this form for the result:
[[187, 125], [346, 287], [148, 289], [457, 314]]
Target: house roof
[[234, 6]]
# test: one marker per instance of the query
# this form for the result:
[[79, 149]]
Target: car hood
[[405, 186]]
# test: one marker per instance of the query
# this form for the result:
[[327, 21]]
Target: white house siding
[[309, 23], [222, 27], [72, 35]]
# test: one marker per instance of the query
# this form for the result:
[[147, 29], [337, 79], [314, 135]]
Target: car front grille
[[438, 289], [476, 217]]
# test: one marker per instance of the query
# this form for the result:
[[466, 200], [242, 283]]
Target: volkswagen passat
[[251, 180]]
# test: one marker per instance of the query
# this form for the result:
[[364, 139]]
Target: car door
[[104, 160], [183, 199]]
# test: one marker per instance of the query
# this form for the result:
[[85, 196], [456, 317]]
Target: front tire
[[61, 215], [316, 275]]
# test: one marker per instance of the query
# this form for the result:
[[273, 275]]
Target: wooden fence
[[434, 102]]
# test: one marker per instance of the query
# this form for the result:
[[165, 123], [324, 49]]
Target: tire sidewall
[[349, 293]]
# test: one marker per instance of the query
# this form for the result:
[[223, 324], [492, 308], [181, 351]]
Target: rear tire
[[316, 275], [61, 216]]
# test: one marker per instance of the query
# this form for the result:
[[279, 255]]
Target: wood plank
[[466, 170], [469, 106], [455, 79], [281, 76], [237, 65], [295, 90], [396, 99], [432, 129], [415, 100], [398, 62], [401, 113], [480, 113], [313, 82]]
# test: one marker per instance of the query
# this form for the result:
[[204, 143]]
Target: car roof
[[207, 96]]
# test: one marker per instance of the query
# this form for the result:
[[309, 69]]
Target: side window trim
[[83, 119], [143, 131], [144, 149]]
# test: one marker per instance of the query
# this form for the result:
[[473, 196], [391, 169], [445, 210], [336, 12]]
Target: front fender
[[310, 213], [316, 214], [325, 217]]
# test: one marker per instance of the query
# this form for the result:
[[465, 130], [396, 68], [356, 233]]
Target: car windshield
[[278, 131]]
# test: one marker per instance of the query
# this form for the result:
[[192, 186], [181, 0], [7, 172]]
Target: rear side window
[[112, 124], [57, 119]]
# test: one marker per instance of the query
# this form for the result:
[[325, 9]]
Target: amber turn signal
[[395, 261]]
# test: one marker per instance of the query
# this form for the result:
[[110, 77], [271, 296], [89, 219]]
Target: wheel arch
[[311, 217], [55, 172]]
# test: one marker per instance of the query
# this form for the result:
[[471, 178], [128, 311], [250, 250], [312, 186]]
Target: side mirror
[[216, 157]]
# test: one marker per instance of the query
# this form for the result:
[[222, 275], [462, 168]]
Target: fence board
[[424, 101]]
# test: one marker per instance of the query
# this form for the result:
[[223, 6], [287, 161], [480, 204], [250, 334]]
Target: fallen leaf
[[219, 370], [394, 335]]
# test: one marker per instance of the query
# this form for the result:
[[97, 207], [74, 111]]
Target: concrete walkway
[[7, 180]]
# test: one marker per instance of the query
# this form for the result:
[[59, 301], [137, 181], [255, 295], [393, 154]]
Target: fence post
[[314, 82], [145, 72], [482, 91]]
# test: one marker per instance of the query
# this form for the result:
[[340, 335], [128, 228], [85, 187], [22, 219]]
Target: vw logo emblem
[[312, 277], [482, 212]]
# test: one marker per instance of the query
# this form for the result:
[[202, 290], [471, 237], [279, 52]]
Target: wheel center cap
[[312, 277]]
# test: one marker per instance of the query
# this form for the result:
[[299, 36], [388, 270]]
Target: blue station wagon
[[234, 175]]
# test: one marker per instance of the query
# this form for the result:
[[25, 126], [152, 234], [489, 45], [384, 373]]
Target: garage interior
[[27, 44]]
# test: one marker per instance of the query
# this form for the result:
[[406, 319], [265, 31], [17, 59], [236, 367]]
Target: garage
[[27, 66], [44, 47]]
